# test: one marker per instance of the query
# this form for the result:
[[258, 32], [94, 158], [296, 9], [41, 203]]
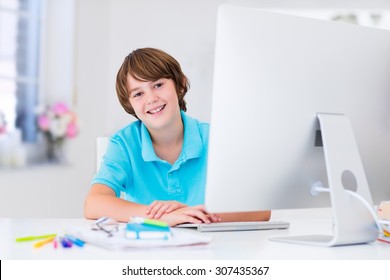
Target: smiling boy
[[158, 161]]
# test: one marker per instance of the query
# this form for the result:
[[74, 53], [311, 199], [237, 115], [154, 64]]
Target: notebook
[[140, 231], [237, 226]]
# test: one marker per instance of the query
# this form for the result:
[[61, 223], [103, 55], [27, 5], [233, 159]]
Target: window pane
[[8, 43], [8, 31], [19, 62], [27, 44], [8, 102], [22, 5], [32, 6], [26, 96], [9, 4]]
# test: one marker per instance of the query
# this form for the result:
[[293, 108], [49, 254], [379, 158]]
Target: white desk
[[225, 245]]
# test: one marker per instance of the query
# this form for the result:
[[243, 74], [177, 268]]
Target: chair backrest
[[101, 147]]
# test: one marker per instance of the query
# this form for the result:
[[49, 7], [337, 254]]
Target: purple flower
[[71, 130], [60, 108], [58, 122], [43, 122]]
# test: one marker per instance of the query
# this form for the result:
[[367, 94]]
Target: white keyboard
[[237, 226]]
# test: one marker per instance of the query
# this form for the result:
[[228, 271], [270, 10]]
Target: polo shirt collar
[[192, 142], [148, 153]]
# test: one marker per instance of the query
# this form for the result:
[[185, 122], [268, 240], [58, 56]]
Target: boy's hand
[[159, 208], [194, 215]]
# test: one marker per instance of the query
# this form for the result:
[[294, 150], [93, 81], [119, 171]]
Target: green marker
[[32, 238], [151, 222]]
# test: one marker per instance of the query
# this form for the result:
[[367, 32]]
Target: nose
[[152, 98]]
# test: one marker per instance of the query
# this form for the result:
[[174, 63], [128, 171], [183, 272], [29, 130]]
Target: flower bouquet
[[58, 123]]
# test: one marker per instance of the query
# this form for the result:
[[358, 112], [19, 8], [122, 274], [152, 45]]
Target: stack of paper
[[118, 240]]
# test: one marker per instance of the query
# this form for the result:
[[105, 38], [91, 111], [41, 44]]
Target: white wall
[[105, 32], [185, 29], [58, 52]]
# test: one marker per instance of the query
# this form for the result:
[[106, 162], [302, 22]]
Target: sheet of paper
[[118, 241]]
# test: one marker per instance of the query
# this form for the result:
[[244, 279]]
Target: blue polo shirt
[[130, 165]]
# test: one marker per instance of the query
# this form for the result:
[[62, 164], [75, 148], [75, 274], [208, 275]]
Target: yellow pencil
[[43, 242]]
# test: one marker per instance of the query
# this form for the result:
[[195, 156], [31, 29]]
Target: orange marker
[[43, 242]]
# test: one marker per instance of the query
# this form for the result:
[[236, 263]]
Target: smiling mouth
[[157, 110]]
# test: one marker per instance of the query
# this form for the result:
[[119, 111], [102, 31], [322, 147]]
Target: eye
[[158, 85], [137, 94]]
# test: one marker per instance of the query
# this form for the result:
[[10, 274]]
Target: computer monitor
[[273, 75]]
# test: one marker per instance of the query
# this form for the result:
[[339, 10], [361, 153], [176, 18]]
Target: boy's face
[[154, 102]]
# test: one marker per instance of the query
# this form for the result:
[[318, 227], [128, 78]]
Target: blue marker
[[75, 240], [66, 243]]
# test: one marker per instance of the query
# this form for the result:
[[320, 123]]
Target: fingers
[[155, 209], [158, 208], [160, 211], [177, 212], [175, 205], [195, 215], [212, 217], [174, 219], [149, 208], [199, 215]]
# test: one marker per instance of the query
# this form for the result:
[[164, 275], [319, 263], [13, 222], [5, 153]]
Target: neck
[[169, 135], [168, 142]]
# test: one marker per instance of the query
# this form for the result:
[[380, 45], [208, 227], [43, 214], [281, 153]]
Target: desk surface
[[224, 245]]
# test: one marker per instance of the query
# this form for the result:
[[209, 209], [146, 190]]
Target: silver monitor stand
[[353, 222]]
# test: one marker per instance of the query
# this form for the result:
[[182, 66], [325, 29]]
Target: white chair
[[101, 147]]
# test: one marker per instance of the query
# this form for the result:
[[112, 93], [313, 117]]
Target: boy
[[161, 156]]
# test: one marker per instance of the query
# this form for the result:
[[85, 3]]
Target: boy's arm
[[102, 201]]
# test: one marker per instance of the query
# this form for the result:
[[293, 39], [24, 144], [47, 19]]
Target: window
[[20, 25], [365, 17]]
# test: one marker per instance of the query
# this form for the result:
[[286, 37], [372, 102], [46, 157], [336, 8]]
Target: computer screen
[[273, 74]]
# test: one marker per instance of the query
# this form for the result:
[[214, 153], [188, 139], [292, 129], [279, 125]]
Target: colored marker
[[75, 240], [32, 238], [66, 243], [55, 243], [140, 220], [386, 233], [383, 240], [43, 242]]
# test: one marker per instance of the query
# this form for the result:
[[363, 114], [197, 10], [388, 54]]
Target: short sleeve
[[115, 170]]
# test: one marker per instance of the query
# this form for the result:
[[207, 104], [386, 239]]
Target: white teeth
[[156, 110]]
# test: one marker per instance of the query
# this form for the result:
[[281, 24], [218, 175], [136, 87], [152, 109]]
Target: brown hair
[[148, 64]]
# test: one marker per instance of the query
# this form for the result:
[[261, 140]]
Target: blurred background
[[58, 62]]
